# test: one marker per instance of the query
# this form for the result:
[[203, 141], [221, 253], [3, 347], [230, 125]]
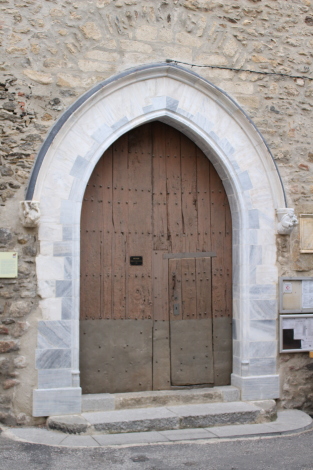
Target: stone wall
[[52, 52]]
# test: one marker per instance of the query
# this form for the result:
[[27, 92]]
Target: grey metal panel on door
[[222, 348], [116, 355], [191, 352]]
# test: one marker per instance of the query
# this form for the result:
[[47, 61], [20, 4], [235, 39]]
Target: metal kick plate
[[191, 352], [116, 355]]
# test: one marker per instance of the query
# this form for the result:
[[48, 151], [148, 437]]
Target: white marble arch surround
[[226, 135]]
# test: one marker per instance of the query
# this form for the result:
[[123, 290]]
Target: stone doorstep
[[165, 418], [118, 401]]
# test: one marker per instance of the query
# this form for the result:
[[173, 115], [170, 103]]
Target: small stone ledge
[[73, 424]]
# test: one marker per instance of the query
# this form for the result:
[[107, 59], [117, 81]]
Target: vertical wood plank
[[222, 345], [160, 238], [204, 288], [189, 292], [175, 289], [140, 222], [106, 234], [173, 189], [161, 333], [218, 239], [92, 221], [160, 286], [189, 194], [203, 202], [120, 225], [228, 263]]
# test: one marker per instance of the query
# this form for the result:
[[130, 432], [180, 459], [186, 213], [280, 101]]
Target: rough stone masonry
[[54, 51]]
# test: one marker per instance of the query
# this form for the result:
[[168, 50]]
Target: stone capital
[[287, 220], [29, 213]]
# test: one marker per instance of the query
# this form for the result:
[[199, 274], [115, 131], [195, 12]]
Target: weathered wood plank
[[107, 234], [120, 225], [160, 239], [140, 222], [92, 222], [204, 288], [160, 286], [175, 290], [189, 193], [206, 254], [189, 291], [203, 202], [173, 189]]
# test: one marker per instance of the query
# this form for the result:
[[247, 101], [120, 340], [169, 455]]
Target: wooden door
[[155, 267]]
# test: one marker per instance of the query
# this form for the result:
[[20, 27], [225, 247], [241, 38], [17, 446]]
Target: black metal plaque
[[136, 260]]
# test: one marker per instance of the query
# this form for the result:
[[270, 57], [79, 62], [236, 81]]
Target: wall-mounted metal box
[[296, 333]]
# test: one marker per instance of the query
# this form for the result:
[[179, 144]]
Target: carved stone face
[[29, 213]]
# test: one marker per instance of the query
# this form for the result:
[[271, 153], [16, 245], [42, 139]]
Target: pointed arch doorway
[[155, 267]]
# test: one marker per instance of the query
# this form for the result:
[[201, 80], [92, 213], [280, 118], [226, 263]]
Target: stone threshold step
[[165, 418], [118, 401]]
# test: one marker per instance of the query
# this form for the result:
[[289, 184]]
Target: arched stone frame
[[226, 135]]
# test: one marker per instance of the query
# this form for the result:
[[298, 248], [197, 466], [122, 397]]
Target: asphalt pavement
[[283, 452]]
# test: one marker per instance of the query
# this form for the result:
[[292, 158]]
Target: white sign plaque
[[8, 264]]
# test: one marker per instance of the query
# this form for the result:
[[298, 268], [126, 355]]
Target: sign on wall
[[306, 231], [296, 295], [8, 264]]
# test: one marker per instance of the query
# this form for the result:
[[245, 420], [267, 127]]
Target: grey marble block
[[62, 249], [68, 267], [203, 122], [79, 167], [263, 349], [91, 151], [262, 330], [120, 123], [265, 309], [53, 358], [54, 334], [67, 305], [54, 378], [262, 366], [263, 291], [253, 236], [63, 288], [57, 401], [245, 181], [67, 232], [255, 255], [148, 109], [102, 133], [257, 388], [226, 146], [254, 218], [185, 113], [171, 103], [235, 166], [67, 212], [236, 365]]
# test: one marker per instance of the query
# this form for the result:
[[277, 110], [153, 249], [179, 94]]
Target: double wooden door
[[155, 267]]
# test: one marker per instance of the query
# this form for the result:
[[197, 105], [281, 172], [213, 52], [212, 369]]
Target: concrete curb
[[288, 422]]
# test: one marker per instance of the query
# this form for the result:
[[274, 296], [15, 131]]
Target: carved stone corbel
[[287, 220], [29, 213]]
